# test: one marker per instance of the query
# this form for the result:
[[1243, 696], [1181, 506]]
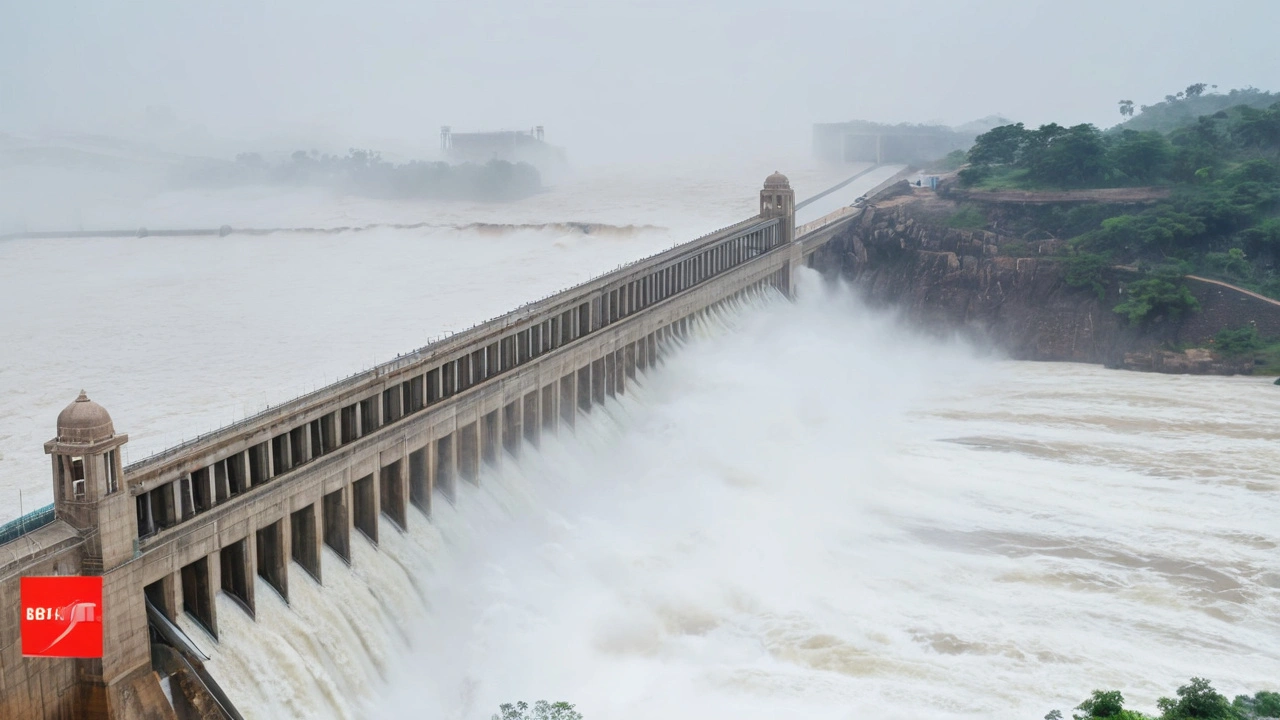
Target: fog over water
[[811, 512]]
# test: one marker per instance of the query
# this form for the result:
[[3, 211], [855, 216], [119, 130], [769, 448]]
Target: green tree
[[1102, 704], [1164, 231], [1154, 297], [974, 174], [1038, 142], [1198, 145], [1231, 262], [1197, 699], [1074, 157], [542, 710], [1263, 240], [1126, 108], [1257, 128], [1265, 704], [1085, 270], [999, 146], [1237, 341], [1142, 156]]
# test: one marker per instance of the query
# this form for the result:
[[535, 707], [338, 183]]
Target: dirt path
[[1250, 293], [1037, 197]]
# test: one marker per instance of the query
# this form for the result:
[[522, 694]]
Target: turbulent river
[[808, 511]]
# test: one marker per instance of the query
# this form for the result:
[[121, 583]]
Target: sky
[[608, 80]]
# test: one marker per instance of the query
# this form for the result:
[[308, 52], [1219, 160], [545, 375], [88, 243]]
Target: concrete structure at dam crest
[[778, 200], [369, 455]]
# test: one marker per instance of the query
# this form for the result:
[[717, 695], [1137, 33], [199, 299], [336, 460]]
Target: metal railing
[[839, 186], [434, 343], [30, 522], [355, 379]]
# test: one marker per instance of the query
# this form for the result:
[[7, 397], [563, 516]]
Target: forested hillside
[[1222, 215]]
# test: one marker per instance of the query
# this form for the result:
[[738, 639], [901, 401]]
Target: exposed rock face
[[1195, 361], [900, 253]]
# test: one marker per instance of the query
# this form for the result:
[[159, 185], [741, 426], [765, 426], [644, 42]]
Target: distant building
[[509, 145], [926, 180], [864, 141]]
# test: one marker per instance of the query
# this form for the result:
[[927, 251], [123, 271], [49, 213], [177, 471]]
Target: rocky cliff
[[1012, 294]]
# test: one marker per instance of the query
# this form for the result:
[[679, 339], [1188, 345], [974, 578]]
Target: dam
[[369, 455]]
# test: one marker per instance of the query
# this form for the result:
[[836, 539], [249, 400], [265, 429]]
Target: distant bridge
[[368, 455]]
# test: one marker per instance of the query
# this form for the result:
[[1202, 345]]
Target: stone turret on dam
[[366, 456]]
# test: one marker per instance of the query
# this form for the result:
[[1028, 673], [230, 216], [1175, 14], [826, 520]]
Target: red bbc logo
[[62, 617]]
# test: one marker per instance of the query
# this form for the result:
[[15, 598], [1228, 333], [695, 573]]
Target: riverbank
[[921, 253]]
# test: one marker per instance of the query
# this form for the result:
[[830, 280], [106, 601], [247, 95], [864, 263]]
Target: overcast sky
[[608, 79]]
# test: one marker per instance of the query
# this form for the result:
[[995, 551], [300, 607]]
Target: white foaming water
[[810, 513]]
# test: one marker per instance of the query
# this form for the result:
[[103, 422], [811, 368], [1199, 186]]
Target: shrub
[[967, 218], [1085, 270], [1141, 156], [1264, 704], [542, 710], [1156, 296], [1267, 704], [1231, 263], [1165, 231], [974, 174], [1068, 157], [1002, 145], [1239, 341], [1103, 704], [1196, 699]]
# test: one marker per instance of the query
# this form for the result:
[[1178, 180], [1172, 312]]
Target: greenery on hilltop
[[1183, 107], [1195, 700], [1215, 182], [364, 172], [1053, 156]]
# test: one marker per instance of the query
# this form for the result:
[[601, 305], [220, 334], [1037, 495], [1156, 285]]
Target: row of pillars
[[204, 488], [412, 478]]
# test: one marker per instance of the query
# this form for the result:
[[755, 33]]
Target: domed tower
[[777, 199], [88, 480]]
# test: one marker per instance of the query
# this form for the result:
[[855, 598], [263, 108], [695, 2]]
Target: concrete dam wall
[[371, 454]]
